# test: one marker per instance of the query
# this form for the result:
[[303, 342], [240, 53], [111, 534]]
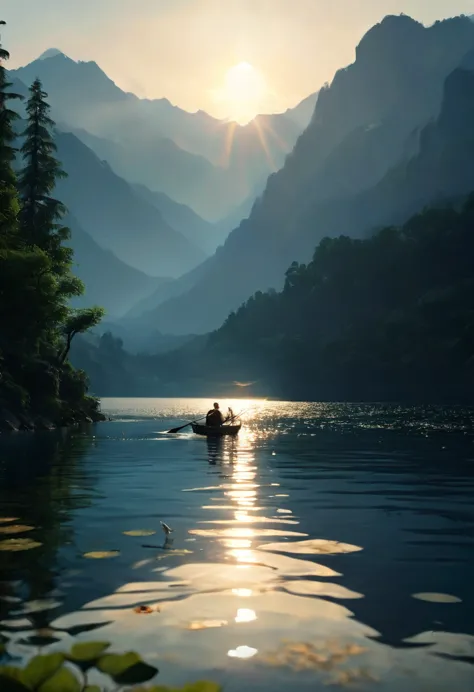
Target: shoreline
[[19, 422]]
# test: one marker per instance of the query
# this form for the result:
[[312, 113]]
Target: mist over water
[[326, 544]]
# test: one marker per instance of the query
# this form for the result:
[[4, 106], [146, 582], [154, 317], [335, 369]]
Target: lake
[[328, 544]]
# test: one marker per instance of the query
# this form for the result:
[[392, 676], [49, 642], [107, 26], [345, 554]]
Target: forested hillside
[[388, 318], [38, 385], [339, 177]]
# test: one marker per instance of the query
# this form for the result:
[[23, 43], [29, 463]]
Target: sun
[[243, 93]]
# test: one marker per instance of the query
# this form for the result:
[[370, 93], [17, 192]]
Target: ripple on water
[[238, 608]]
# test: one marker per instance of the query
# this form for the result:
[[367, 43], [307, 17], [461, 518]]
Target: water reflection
[[305, 552]]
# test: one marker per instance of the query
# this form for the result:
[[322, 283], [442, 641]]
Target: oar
[[175, 430]]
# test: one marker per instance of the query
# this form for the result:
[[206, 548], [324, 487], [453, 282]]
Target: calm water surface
[[327, 544]]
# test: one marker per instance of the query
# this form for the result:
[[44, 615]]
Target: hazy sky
[[183, 49]]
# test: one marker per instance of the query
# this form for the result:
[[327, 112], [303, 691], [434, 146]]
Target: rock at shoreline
[[10, 422]]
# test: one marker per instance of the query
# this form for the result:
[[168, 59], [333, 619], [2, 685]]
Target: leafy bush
[[67, 672]]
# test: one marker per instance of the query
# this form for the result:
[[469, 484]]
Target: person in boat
[[214, 417]]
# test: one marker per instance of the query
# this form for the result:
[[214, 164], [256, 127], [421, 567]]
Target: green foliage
[[388, 317], [36, 282], [54, 672], [41, 668]]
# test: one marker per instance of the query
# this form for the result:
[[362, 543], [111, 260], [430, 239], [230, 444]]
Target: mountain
[[364, 123], [195, 159], [183, 219], [108, 281], [385, 318], [179, 216], [50, 53], [117, 217], [303, 112]]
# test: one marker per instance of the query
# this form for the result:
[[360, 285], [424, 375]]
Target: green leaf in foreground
[[92, 688], [126, 669], [10, 685], [140, 672], [85, 654], [62, 681], [115, 664], [41, 668], [11, 680]]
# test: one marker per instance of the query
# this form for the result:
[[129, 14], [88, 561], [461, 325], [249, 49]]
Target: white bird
[[166, 528]]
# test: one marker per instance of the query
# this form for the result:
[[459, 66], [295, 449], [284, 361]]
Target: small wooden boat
[[215, 431]]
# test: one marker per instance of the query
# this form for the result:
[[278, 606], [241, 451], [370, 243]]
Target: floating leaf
[[126, 669], [11, 680], [115, 664], [10, 685], [436, 597], [86, 654], [18, 544], [87, 651], [62, 681], [41, 668], [139, 532], [16, 528], [140, 672], [102, 554]]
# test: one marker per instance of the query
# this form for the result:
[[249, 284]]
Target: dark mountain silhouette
[[304, 111], [117, 217], [364, 123], [195, 159], [109, 282]]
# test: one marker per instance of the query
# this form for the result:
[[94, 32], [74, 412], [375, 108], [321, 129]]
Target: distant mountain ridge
[[108, 281], [363, 126], [212, 165], [117, 217]]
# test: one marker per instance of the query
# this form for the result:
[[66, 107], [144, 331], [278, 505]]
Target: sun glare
[[243, 93]]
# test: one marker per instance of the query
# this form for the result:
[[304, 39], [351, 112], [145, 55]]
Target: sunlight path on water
[[304, 552]]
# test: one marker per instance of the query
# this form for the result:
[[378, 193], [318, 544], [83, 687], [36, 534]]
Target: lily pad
[[11, 680], [62, 681], [101, 554], [16, 545], [16, 528], [436, 597], [87, 651], [41, 668], [126, 669], [86, 654], [139, 532], [115, 664]]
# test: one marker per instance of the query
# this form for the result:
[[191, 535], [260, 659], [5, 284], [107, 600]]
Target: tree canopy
[[36, 281]]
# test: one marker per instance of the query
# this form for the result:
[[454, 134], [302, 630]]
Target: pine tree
[[9, 205], [36, 323], [41, 212]]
